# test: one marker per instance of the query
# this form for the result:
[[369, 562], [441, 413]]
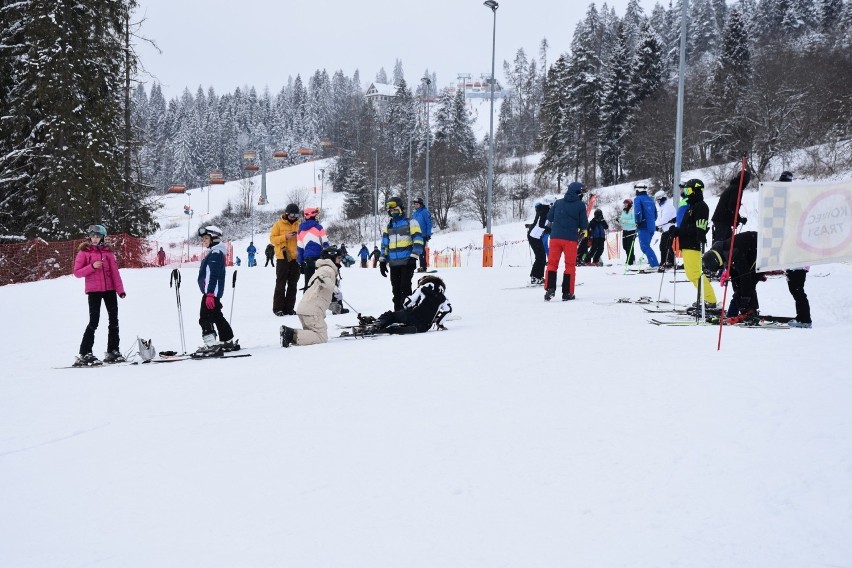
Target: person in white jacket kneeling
[[315, 301]]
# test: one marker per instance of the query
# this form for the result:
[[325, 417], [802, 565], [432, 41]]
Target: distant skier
[[424, 218], [251, 250], [96, 263], [375, 254], [364, 254], [161, 257], [665, 219], [269, 251], [211, 282]]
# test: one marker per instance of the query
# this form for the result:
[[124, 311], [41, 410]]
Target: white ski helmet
[[659, 195], [212, 230]]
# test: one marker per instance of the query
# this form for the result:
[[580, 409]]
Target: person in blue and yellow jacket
[[402, 245]]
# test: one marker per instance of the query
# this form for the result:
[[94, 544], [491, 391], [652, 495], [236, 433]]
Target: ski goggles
[[393, 207], [98, 230], [203, 231]]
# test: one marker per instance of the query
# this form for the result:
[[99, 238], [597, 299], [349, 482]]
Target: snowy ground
[[529, 434]]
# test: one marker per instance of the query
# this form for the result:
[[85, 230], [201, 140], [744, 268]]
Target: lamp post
[[427, 82], [488, 211], [376, 200], [188, 219], [488, 238], [322, 185]]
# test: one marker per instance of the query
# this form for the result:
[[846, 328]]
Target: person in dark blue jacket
[[364, 254], [567, 217], [424, 218], [597, 233], [211, 282], [645, 212]]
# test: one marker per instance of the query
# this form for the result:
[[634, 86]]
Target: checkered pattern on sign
[[773, 211]]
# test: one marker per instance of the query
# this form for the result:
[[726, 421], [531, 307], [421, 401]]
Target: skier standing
[[402, 245], [315, 301], [364, 254], [269, 251], [312, 239], [284, 237], [725, 216], [211, 282], [597, 233], [665, 220], [693, 237], [535, 232], [646, 222], [96, 263], [567, 217], [424, 218], [628, 229], [796, 285], [252, 251]]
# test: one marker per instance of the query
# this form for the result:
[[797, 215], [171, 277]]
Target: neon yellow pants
[[692, 267]]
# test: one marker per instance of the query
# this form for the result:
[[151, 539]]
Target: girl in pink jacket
[[96, 263]]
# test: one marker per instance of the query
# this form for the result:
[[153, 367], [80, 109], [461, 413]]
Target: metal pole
[[188, 219], [263, 174], [489, 207], [322, 185], [428, 82], [408, 185], [376, 201], [680, 82]]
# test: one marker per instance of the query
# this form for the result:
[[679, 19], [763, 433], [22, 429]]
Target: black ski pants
[[208, 318], [309, 266], [269, 259], [796, 285], [286, 284], [400, 277], [540, 257], [110, 300], [597, 249], [628, 239], [667, 255]]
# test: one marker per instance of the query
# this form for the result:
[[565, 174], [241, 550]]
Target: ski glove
[[412, 261], [383, 269], [210, 301], [723, 279], [122, 295], [743, 220]]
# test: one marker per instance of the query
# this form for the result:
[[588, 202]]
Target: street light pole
[[488, 212], [427, 82], [322, 185], [376, 201]]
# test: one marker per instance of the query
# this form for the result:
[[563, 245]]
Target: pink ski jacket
[[101, 279]]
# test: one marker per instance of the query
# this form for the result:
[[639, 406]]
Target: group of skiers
[[301, 247], [565, 221]]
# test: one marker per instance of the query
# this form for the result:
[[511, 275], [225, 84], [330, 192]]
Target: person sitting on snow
[[426, 306], [315, 301]]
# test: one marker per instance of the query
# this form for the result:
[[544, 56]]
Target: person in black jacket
[[597, 233], [725, 217], [692, 234], [535, 232], [743, 275]]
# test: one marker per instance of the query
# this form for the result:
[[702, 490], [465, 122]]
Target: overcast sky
[[263, 42]]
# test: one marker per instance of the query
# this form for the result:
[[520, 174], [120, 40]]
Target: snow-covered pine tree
[[555, 134], [615, 111], [584, 94]]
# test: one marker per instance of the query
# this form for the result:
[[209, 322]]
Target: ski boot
[[566, 288], [87, 360], [211, 347], [288, 336], [114, 356], [800, 324], [550, 286], [231, 345]]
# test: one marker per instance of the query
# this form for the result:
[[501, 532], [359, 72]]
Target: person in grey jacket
[[315, 301], [567, 217]]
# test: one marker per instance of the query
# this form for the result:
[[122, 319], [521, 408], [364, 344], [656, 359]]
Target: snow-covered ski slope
[[528, 434]]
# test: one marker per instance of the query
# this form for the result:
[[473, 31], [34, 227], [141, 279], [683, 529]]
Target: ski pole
[[354, 309], [630, 252], [233, 293], [175, 280], [701, 313], [660, 293]]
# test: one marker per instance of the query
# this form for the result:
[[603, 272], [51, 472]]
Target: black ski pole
[[175, 281], [233, 293]]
